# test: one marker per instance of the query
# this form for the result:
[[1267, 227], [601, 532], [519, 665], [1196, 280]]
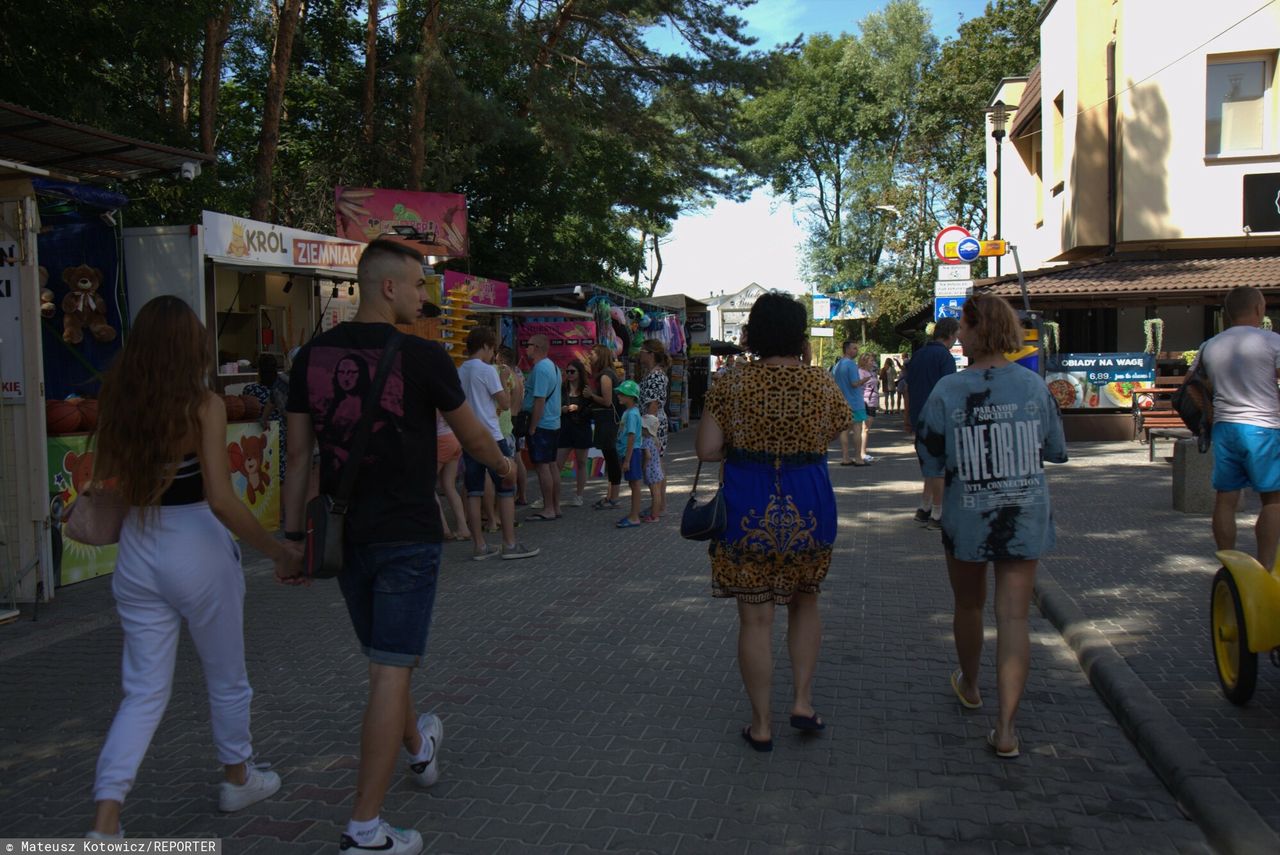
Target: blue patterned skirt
[[781, 527]]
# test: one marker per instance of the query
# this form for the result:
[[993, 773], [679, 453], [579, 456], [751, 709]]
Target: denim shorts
[[390, 589], [1245, 456], [473, 474], [543, 445]]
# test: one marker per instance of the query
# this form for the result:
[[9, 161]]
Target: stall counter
[[252, 451]]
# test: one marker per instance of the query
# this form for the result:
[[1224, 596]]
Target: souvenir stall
[[696, 360], [259, 288], [62, 312]]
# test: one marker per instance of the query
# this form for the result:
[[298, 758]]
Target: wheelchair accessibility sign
[[947, 307]]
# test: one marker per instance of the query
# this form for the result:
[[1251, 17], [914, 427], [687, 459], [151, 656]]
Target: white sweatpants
[[182, 564]]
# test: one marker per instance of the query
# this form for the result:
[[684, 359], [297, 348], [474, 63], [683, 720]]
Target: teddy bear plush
[[83, 307], [47, 305]]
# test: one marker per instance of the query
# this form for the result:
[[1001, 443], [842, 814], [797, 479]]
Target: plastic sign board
[[954, 273], [822, 332], [989, 248], [947, 307], [821, 308], [11, 357], [1102, 368], [953, 289], [949, 234], [968, 249]]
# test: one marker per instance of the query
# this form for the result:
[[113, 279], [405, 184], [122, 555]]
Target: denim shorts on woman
[[390, 589], [1245, 456], [473, 472]]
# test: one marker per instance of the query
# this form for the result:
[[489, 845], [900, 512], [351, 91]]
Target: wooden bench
[[1160, 416]]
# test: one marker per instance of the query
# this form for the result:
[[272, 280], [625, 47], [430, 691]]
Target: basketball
[[88, 413], [252, 406], [62, 416], [235, 407]]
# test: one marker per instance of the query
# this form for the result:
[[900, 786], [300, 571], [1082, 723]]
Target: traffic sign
[[822, 332], [993, 247], [949, 234], [953, 289], [968, 249], [953, 273], [947, 307]]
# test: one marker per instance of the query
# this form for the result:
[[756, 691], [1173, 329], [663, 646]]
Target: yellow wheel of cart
[[1237, 664]]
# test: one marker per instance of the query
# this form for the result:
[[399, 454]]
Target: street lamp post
[[998, 118]]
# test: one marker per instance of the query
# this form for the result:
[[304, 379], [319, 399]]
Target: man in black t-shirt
[[393, 532]]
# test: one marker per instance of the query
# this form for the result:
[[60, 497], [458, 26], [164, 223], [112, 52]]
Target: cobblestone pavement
[[591, 703], [1141, 572]]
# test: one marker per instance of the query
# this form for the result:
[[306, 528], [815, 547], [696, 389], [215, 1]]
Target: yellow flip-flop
[[955, 687], [1009, 754]]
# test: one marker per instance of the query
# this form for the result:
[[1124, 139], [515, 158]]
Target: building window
[[1237, 91], [1059, 120]]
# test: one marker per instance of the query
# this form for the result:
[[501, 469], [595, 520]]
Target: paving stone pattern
[[591, 703], [1143, 573]]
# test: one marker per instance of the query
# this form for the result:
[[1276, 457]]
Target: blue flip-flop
[[626, 523]]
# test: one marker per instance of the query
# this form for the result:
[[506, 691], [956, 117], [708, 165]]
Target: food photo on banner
[[436, 223], [1099, 381]]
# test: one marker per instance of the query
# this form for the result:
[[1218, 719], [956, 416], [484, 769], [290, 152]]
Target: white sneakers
[[258, 784], [388, 841], [427, 772], [406, 841], [574, 501]]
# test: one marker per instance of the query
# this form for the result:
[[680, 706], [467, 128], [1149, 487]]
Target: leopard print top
[[778, 409]]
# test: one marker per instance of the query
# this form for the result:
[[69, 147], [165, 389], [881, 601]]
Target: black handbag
[[705, 521], [1193, 402], [326, 514], [520, 424]]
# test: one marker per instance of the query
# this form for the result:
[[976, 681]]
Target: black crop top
[[188, 484]]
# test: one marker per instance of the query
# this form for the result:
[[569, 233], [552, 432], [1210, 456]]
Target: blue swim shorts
[[1245, 456], [859, 415], [635, 466]]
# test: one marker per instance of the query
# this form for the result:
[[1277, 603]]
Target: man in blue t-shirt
[[851, 383], [928, 365], [542, 400]]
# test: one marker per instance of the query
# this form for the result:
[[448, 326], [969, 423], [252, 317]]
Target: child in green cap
[[629, 451]]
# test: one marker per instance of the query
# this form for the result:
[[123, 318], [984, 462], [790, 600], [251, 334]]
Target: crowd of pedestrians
[[982, 438]]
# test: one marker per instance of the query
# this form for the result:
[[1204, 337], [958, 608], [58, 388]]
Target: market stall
[[258, 287], [36, 147]]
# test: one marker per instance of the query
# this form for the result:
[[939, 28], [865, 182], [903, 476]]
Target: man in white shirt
[[483, 388], [1243, 364]]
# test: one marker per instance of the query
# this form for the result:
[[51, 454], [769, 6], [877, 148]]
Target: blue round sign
[[968, 249]]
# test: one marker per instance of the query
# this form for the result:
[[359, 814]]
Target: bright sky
[[726, 248]]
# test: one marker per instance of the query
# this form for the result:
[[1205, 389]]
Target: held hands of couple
[[288, 563]]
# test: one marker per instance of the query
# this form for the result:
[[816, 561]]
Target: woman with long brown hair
[[162, 441], [604, 417], [575, 426]]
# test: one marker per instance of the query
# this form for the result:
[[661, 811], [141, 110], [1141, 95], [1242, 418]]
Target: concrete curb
[[1203, 792]]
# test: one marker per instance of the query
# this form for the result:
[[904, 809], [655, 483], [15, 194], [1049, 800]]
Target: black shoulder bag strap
[[360, 442]]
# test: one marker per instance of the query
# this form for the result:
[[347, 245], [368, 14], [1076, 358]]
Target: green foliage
[[886, 118], [567, 133]]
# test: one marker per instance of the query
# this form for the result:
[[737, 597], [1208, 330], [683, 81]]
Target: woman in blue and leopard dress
[[771, 422]]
